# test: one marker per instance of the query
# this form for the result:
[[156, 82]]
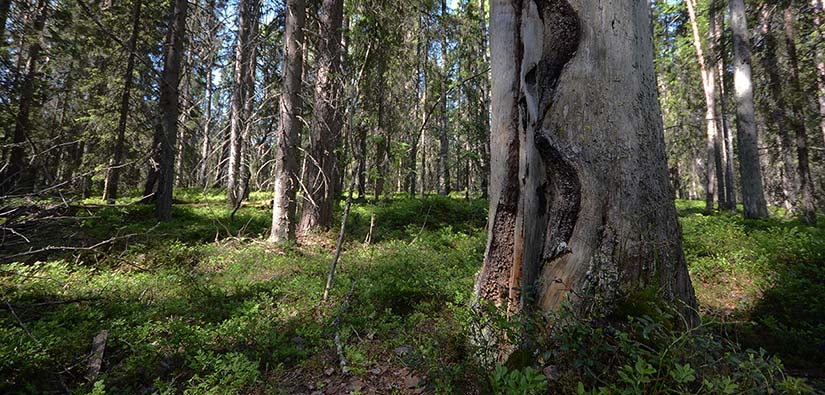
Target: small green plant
[[229, 373], [527, 381]]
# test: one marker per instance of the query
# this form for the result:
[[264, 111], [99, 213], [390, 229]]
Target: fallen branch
[[72, 248], [338, 347], [19, 322]]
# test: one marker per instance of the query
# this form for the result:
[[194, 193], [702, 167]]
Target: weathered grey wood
[[580, 202]]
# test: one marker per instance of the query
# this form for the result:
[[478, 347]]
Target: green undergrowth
[[765, 278], [202, 304]]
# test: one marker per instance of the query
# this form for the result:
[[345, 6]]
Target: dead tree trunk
[[169, 102], [708, 74], [753, 193], [580, 203], [286, 163], [113, 174]]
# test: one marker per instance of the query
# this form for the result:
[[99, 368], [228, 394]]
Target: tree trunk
[[422, 138], [708, 72], [5, 6], [485, 103], [720, 159], [777, 113], [753, 194], [444, 141], [203, 170], [168, 101], [184, 98], [819, 59], [727, 138], [13, 178], [580, 203], [286, 163], [325, 127], [242, 93], [806, 187], [208, 51], [113, 174]]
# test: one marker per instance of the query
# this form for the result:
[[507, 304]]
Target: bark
[[806, 186], [203, 170], [580, 203], [184, 95], [444, 141], [362, 162], [727, 137], [753, 194], [113, 174], [422, 139], [5, 6], [776, 113], [708, 72], [242, 95], [485, 103], [719, 154], [14, 179], [169, 102], [819, 58], [382, 141], [325, 127], [286, 163]]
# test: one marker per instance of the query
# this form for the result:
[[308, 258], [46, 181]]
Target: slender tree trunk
[[169, 102], [580, 205], [203, 170], [485, 103], [819, 58], [113, 174], [249, 104], [184, 97], [806, 187], [13, 178], [719, 156], [286, 163], [753, 193], [727, 136], [444, 141], [362, 162], [708, 72], [242, 93], [422, 138]]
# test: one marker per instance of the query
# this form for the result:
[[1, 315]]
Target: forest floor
[[203, 305]]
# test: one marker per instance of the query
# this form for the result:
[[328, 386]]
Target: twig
[[13, 314], [368, 239], [339, 243]]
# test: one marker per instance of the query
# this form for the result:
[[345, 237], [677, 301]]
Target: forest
[[412, 197]]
